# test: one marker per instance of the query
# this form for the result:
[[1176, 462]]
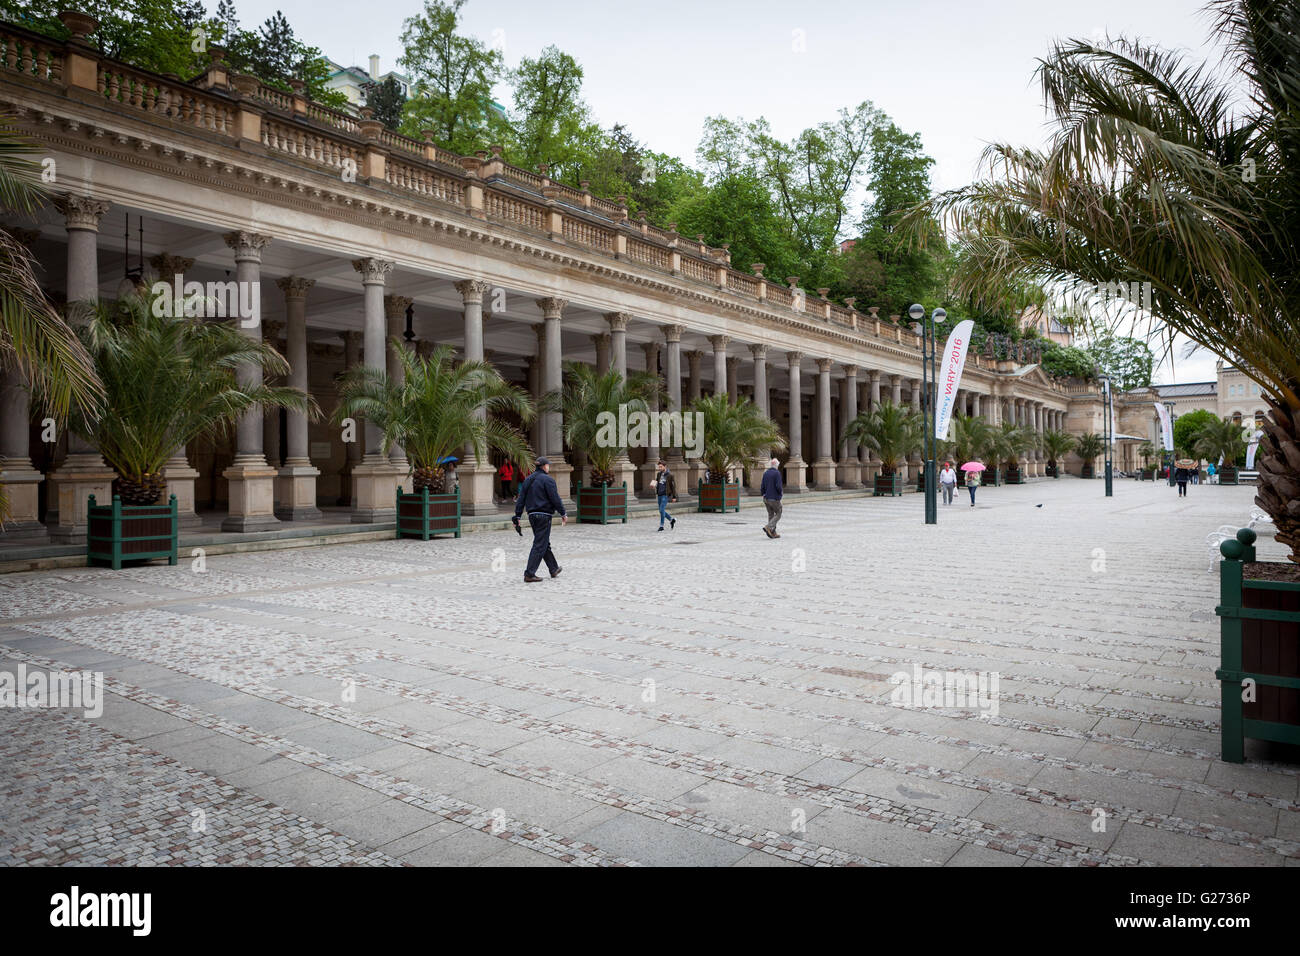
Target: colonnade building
[[347, 228]]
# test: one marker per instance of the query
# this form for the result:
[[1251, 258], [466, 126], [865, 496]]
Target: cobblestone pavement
[[701, 696]]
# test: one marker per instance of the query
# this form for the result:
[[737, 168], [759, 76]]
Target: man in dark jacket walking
[[772, 489], [665, 488], [541, 499]]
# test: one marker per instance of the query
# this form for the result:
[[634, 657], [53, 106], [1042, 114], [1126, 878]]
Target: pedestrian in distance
[[541, 499], [1212, 472], [772, 490], [665, 489], [1180, 476], [972, 482], [948, 482], [507, 474]]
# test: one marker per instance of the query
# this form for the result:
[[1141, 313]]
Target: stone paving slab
[[722, 702]]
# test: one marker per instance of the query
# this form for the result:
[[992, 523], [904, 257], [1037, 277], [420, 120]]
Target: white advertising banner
[[1166, 426], [1252, 446], [954, 362]]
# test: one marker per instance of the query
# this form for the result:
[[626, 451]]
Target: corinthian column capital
[[248, 246], [552, 308], [373, 271], [395, 306], [81, 212], [472, 290], [293, 287]]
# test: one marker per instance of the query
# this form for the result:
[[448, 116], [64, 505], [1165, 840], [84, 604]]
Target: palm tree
[[1088, 446], [891, 431], [590, 402], [35, 343], [1147, 451], [1161, 173], [1057, 444], [969, 438], [1009, 442], [439, 409], [167, 381], [1220, 439], [734, 434]]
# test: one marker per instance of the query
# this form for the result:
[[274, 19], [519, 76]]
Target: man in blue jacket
[[772, 491], [541, 499]]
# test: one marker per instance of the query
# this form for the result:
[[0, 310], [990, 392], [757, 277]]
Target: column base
[[81, 476], [22, 485], [476, 488], [562, 472], [374, 491], [850, 475], [180, 482], [295, 490], [251, 505], [648, 472], [796, 480], [824, 474], [625, 471], [695, 472]]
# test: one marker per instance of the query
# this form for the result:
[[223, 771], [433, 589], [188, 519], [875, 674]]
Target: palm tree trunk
[[1279, 474]]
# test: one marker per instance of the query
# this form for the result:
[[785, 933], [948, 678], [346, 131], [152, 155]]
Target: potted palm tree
[[1147, 451], [892, 432], [166, 382], [1013, 441], [1220, 440], [1088, 446], [438, 410], [591, 403], [732, 435], [1057, 444]]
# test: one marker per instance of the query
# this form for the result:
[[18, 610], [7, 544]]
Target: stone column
[[374, 479], [601, 342], [896, 389], [850, 462], [296, 482], [83, 472], [251, 480], [795, 479], [395, 323], [20, 481], [618, 340], [272, 333], [176, 471], [553, 381], [762, 400], [673, 379], [719, 343], [476, 477], [694, 358], [733, 383], [355, 447], [824, 465], [652, 452], [537, 434]]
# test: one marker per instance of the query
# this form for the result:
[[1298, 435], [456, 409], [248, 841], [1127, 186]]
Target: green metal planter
[[1259, 636], [1227, 476], [422, 515], [601, 504], [1015, 476], [119, 533], [888, 486], [990, 476], [719, 497]]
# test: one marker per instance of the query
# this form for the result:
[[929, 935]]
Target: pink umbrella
[[974, 466]]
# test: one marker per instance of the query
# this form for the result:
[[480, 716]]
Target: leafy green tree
[[1068, 361], [1186, 426], [740, 210], [551, 122], [386, 99], [452, 76], [1127, 361], [274, 54]]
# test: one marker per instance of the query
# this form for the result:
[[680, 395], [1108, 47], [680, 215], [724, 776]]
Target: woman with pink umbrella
[[972, 469]]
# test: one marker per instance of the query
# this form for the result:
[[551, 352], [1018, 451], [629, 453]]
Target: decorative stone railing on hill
[[243, 112]]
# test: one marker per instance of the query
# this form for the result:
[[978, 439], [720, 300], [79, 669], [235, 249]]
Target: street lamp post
[[1108, 431], [925, 326]]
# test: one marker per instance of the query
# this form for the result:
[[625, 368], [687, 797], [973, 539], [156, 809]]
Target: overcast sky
[[959, 72]]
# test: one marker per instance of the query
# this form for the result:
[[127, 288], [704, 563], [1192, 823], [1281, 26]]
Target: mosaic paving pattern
[[702, 698]]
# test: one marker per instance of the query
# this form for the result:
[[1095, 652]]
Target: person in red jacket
[[507, 474]]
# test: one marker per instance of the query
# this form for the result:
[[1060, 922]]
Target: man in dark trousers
[[772, 489], [541, 499]]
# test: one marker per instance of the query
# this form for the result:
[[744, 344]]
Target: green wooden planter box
[[1259, 640], [1015, 476], [1087, 471], [920, 479], [990, 476], [601, 504], [719, 497], [423, 515], [1053, 471], [118, 533], [888, 486], [1227, 476]]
